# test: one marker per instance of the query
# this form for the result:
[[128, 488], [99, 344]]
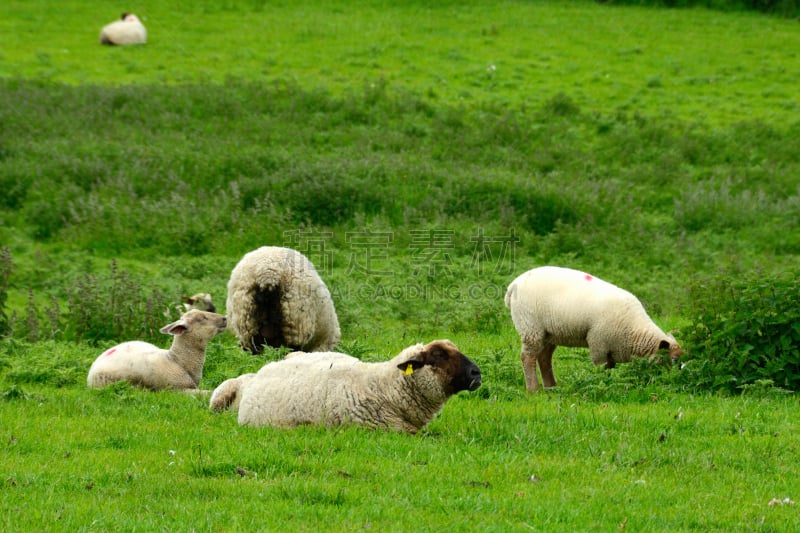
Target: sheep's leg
[[268, 321], [529, 367], [601, 355], [545, 360]]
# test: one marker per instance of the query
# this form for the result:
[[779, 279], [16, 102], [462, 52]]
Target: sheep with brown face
[[329, 388], [553, 306], [146, 365]]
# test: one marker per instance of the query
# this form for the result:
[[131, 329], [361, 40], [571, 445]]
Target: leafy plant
[[780, 7], [745, 333], [6, 268], [114, 307]]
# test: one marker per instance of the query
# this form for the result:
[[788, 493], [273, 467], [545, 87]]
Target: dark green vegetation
[[457, 200], [422, 156], [779, 7], [748, 332]]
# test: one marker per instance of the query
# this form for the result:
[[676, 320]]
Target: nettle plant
[[6, 268], [746, 333], [116, 306]]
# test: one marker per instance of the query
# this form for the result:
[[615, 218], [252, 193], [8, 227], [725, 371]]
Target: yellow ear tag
[[409, 370]]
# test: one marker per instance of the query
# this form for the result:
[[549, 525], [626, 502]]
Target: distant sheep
[[128, 30], [402, 394], [201, 301], [276, 297], [553, 306], [145, 365]]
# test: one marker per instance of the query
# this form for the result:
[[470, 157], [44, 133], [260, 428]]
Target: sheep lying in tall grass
[[328, 388], [145, 365], [128, 30], [553, 306], [276, 297], [201, 301]]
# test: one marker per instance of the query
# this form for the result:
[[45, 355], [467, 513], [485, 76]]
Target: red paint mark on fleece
[[587, 277], [109, 352]]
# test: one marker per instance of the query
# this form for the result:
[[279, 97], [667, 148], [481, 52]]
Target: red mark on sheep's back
[[588, 277], [109, 352]]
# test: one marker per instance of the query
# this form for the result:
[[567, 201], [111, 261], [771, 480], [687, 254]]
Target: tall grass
[[780, 7], [193, 176]]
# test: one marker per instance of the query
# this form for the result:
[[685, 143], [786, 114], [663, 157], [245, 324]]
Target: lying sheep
[[128, 30], [275, 297], [201, 301], [402, 394], [553, 306], [143, 364], [227, 394]]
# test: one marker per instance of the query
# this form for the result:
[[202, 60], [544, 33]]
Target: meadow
[[422, 155]]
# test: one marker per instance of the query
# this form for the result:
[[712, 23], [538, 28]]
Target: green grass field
[[698, 65], [655, 148]]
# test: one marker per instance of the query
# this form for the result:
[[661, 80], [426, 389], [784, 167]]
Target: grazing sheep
[[553, 306], [402, 394], [128, 30], [146, 365], [275, 297]]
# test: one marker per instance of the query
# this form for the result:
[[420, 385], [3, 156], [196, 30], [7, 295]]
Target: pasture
[[422, 155]]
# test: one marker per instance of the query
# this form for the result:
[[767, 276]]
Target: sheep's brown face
[[453, 368], [673, 349]]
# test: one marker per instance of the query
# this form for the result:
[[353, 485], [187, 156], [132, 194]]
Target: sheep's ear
[[410, 366], [663, 345], [176, 328]]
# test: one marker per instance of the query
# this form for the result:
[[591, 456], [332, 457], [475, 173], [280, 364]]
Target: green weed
[[6, 269], [745, 334]]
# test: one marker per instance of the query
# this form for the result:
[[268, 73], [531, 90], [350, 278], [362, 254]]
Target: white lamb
[[143, 364], [402, 394], [553, 306], [276, 297], [128, 30]]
